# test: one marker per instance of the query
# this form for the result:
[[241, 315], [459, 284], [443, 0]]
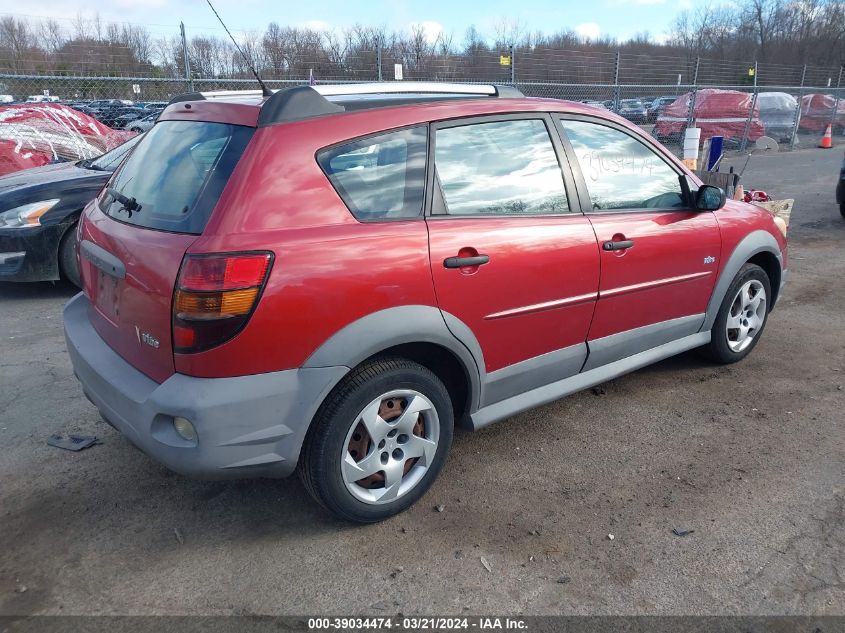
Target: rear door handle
[[461, 262], [620, 245]]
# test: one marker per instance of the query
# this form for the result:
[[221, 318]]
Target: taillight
[[215, 296]]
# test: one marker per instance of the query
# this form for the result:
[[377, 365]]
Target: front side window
[[381, 177], [621, 172], [499, 168]]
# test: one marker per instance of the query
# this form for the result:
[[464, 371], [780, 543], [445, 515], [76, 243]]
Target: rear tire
[[68, 262], [742, 316], [378, 441]]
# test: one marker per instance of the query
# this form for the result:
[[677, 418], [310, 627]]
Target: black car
[[840, 190], [39, 208], [116, 117], [633, 110]]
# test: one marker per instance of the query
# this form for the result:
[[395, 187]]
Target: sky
[[615, 18]]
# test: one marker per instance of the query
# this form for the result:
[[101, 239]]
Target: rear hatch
[[134, 237]]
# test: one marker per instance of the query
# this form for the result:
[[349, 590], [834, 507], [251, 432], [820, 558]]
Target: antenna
[[265, 91]]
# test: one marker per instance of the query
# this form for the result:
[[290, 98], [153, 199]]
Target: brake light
[[215, 296]]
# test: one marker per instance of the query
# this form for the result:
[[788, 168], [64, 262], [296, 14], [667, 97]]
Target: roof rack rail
[[412, 87], [305, 102]]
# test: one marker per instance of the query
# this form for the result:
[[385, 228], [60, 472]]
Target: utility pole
[[838, 98], [797, 116], [616, 84], [513, 64], [188, 78], [748, 121], [691, 116]]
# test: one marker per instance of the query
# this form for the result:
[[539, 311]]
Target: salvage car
[[777, 114], [39, 208], [419, 256], [725, 113], [820, 110]]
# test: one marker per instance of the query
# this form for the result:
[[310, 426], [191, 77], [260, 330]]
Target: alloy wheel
[[390, 446], [746, 316]]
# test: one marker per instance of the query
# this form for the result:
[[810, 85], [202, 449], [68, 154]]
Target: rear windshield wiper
[[128, 204]]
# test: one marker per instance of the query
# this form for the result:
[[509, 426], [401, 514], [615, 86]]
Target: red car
[[717, 112], [331, 278]]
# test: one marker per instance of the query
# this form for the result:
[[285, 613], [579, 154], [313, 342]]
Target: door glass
[[621, 172], [499, 168]]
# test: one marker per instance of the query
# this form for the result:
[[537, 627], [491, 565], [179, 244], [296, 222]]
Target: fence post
[[513, 64], [616, 84], [836, 101], [188, 79], [694, 94], [747, 129], [378, 61], [797, 116]]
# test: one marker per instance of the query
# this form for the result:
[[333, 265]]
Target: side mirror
[[709, 198]]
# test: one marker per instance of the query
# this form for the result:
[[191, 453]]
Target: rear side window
[[499, 168], [176, 175], [380, 177]]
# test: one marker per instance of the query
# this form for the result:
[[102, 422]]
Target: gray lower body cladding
[[246, 426]]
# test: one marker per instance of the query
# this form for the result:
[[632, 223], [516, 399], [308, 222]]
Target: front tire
[[68, 262], [378, 441], [742, 316]]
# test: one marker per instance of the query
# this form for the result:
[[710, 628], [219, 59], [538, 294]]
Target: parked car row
[[115, 113]]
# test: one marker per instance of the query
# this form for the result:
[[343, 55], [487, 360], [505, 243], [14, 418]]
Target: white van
[[41, 99]]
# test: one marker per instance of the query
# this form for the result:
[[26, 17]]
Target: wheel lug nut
[[402, 439], [381, 444], [397, 453], [384, 457], [392, 433]]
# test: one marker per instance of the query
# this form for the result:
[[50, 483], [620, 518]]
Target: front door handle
[[619, 245], [461, 262]]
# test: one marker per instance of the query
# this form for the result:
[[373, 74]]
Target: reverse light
[[215, 296], [26, 215]]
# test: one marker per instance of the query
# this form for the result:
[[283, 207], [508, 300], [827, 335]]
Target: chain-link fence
[[739, 101]]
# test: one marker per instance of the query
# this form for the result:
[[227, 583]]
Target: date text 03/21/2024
[[418, 624]]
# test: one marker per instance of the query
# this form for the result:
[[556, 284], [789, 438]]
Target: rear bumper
[[246, 426]]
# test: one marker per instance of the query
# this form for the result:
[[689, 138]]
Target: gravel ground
[[749, 456]]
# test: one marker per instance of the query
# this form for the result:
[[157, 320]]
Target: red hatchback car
[[331, 278]]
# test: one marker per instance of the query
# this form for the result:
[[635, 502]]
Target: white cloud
[[431, 29], [588, 30]]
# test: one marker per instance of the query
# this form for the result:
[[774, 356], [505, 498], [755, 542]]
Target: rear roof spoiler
[[305, 102]]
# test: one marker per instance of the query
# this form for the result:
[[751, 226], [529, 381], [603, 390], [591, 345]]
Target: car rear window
[[176, 175]]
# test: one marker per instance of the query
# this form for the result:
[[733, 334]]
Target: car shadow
[[37, 290], [686, 361]]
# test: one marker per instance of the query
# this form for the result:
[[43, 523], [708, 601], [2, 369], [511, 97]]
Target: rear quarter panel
[[329, 269]]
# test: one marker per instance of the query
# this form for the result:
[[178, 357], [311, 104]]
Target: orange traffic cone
[[827, 139]]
